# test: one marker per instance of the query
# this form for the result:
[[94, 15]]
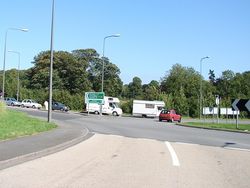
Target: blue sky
[[155, 34]]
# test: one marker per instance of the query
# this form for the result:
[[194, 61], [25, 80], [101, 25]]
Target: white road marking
[[175, 159], [183, 143], [239, 149]]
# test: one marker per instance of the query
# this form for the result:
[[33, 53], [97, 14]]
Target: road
[[135, 152]]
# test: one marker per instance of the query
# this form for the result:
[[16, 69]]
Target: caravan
[[110, 106], [143, 108]]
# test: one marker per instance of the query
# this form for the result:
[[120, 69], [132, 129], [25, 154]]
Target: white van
[[110, 106], [142, 108]]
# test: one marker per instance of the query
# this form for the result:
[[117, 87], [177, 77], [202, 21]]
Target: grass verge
[[223, 126], [15, 124]]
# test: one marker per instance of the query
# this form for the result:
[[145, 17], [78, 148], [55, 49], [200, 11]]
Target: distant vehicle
[[59, 106], [29, 103], [12, 102], [143, 108], [169, 115], [110, 106]]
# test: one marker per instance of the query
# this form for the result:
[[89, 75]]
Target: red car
[[169, 115]]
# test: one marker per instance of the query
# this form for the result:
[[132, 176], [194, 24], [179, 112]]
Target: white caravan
[[110, 106], [143, 108]]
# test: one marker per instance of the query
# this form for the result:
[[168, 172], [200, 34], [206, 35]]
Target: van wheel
[[96, 112], [115, 114], [144, 115]]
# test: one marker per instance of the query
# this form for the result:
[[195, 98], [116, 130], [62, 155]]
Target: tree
[[135, 88]]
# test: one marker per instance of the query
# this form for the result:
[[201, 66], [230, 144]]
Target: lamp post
[[4, 57], [103, 61], [103, 50], [18, 70], [201, 97], [51, 63]]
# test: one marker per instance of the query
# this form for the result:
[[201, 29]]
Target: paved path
[[26, 148], [108, 161]]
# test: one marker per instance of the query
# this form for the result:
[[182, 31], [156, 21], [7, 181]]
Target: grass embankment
[[15, 124], [223, 126]]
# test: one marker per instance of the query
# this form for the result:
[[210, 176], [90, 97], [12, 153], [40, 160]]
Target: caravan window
[[159, 108], [149, 105]]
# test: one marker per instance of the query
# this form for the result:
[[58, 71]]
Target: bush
[[127, 106]]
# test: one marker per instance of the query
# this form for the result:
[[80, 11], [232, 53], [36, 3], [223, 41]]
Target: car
[[29, 103], [12, 101], [169, 115], [59, 106]]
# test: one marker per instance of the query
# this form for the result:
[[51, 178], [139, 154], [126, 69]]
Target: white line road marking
[[239, 149], [175, 159]]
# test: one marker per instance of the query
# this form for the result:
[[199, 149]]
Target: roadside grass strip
[[223, 126], [15, 124]]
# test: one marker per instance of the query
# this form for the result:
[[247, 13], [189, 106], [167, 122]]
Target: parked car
[[12, 102], [59, 106], [29, 103], [169, 115]]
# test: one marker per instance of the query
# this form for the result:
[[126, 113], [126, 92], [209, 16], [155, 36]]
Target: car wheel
[[160, 119], [115, 114], [96, 112], [172, 120], [33, 106], [12, 104], [179, 120], [22, 106]]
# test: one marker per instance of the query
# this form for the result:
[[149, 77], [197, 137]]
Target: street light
[[103, 50], [18, 70], [201, 84], [103, 61], [51, 63], [4, 57]]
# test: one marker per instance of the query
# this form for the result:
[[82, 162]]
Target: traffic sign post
[[94, 98], [240, 105]]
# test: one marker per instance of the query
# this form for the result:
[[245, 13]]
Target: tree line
[[80, 71]]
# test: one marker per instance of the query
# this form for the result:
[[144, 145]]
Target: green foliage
[[2, 107], [127, 106]]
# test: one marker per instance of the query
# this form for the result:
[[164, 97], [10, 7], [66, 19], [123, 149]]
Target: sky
[[155, 34]]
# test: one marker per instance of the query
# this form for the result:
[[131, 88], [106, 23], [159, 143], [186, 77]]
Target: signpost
[[94, 97], [240, 105]]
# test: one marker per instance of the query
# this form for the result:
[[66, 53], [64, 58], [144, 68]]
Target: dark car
[[59, 106]]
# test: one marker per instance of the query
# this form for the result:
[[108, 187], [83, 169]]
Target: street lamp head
[[116, 35], [24, 30]]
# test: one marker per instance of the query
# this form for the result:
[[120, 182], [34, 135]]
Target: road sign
[[241, 104], [94, 97]]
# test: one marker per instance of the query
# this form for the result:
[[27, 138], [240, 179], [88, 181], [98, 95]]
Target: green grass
[[242, 127], [15, 124]]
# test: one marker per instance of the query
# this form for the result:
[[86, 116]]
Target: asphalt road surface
[[135, 152]]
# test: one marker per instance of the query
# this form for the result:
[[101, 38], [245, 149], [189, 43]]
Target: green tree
[[135, 88]]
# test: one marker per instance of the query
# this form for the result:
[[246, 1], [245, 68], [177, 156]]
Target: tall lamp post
[[103, 50], [201, 97], [103, 61], [18, 71], [51, 63], [4, 57]]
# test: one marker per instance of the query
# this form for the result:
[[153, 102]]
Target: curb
[[31, 156], [216, 129]]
